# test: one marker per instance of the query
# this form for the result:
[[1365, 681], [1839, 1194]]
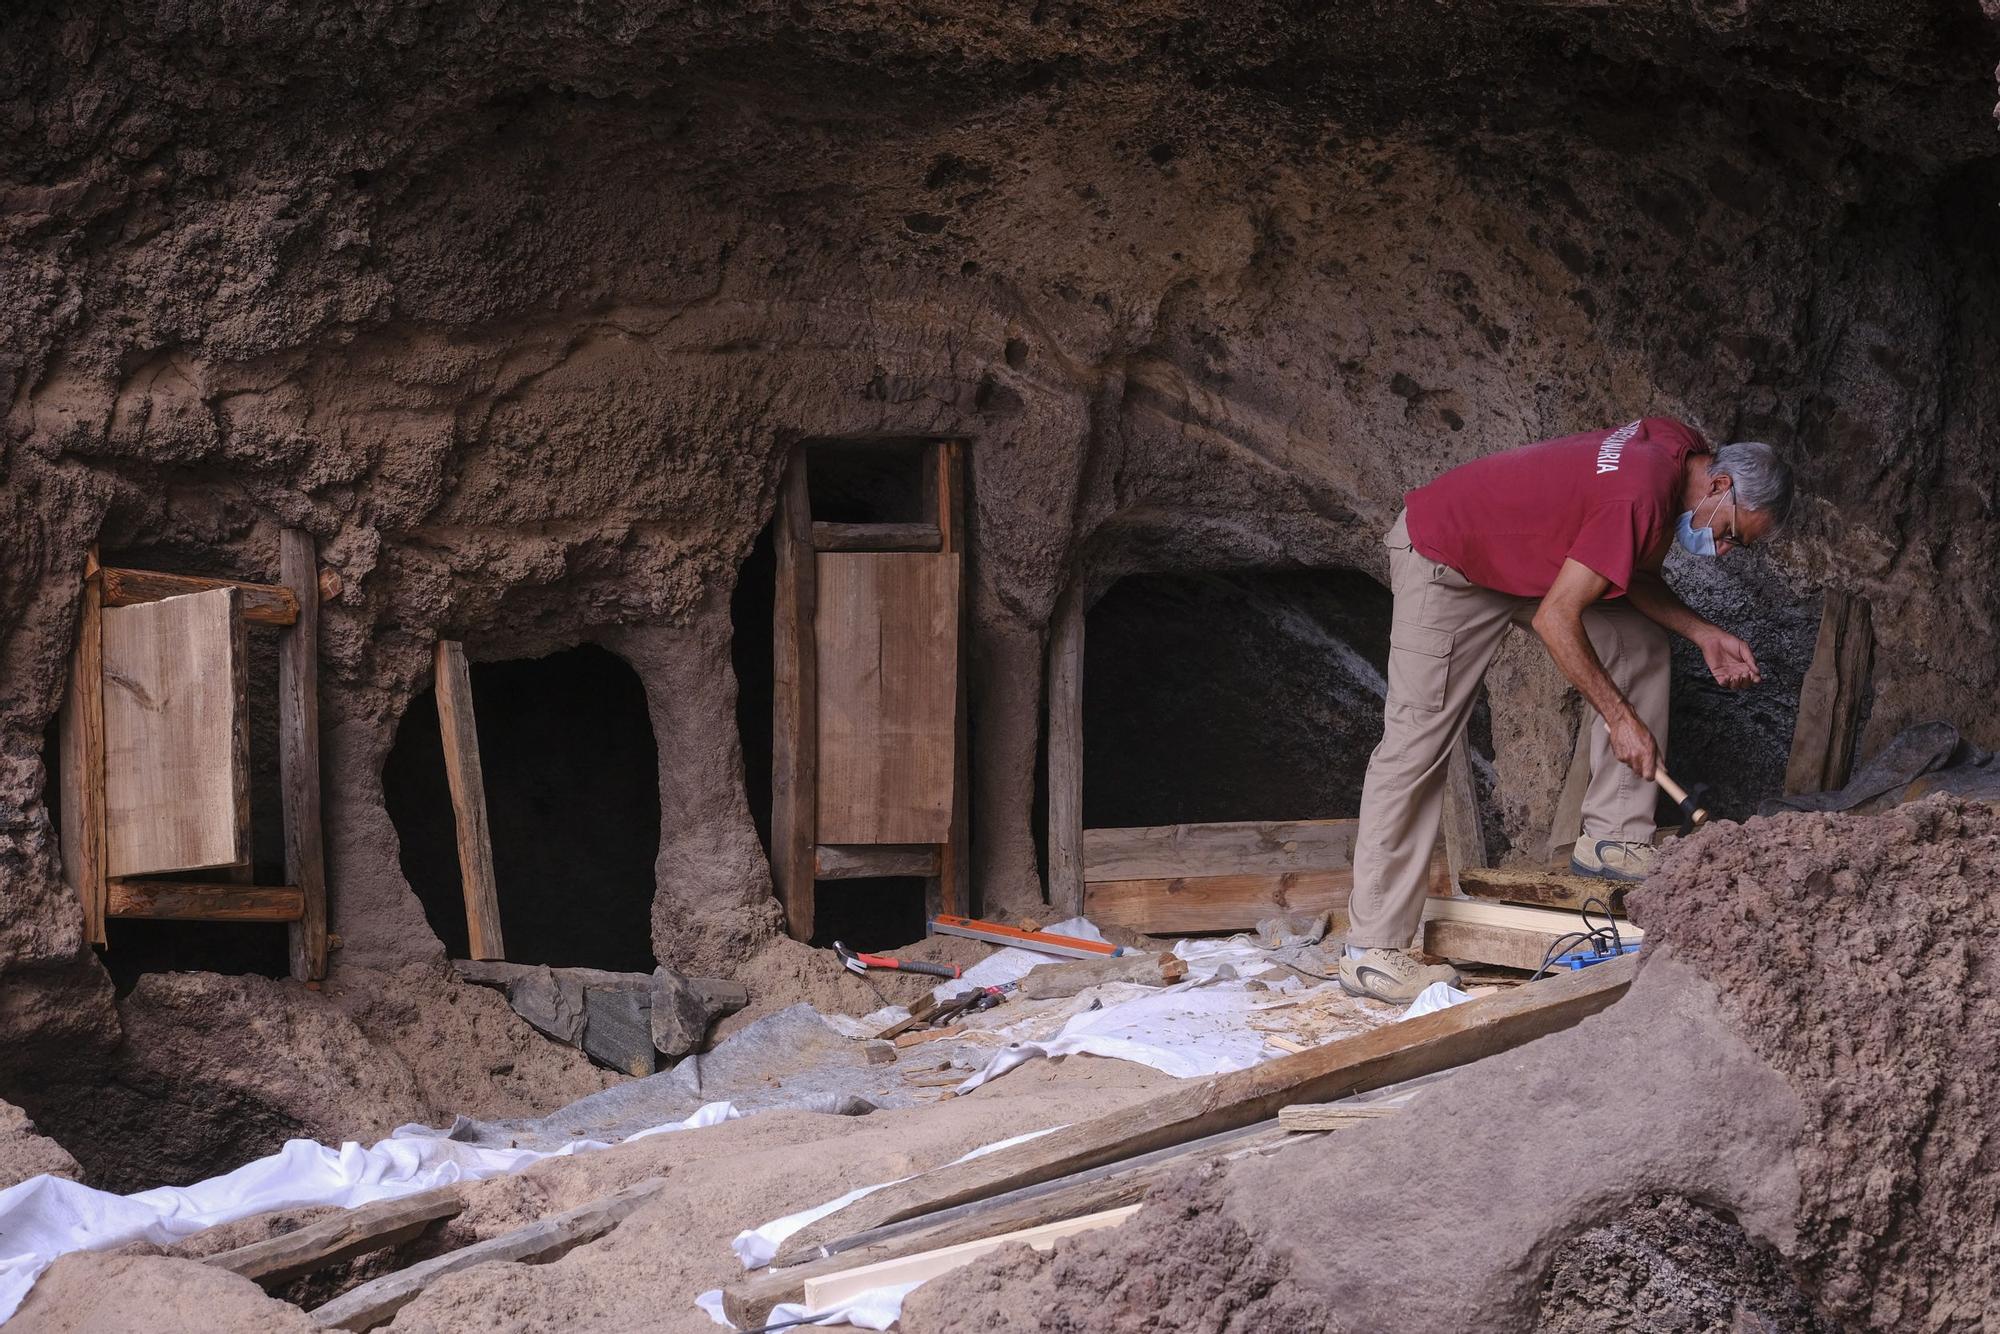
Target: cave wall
[[520, 313]]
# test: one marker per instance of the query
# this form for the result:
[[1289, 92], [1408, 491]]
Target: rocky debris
[[1052, 980], [684, 1008], [620, 1020], [24, 1153], [1813, 996]]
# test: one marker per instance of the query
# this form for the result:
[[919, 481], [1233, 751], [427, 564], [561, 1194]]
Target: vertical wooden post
[[1065, 764], [468, 801], [1830, 698], [951, 890], [298, 753], [795, 704], [82, 749], [1464, 833]]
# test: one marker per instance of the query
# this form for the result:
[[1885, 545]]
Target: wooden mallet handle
[[1697, 816]]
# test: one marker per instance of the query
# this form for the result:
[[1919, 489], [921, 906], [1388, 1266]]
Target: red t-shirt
[[1606, 499]]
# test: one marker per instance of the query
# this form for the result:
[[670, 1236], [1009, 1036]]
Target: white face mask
[[1701, 541]]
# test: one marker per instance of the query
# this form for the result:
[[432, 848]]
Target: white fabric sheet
[[45, 1217]]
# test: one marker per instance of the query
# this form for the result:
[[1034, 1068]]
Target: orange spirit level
[[1073, 947]]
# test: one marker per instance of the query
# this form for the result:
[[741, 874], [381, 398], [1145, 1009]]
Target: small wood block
[[879, 1052], [277, 1261], [376, 1303], [876, 537], [1303, 1116], [176, 900], [860, 861], [1541, 889], [921, 1036], [261, 604]]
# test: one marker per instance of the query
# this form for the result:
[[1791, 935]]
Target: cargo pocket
[[1419, 665]]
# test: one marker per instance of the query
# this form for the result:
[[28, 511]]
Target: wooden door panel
[[176, 735], [886, 637]]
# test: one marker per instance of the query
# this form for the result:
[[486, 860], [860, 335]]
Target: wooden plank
[[375, 1303], [1515, 916], [279, 1260], [460, 731], [298, 753], [876, 537], [182, 900], [1464, 832], [1305, 1116], [794, 703], [886, 643], [834, 1289], [1831, 696], [176, 735], [1160, 852], [749, 1303], [952, 891], [1499, 946], [1541, 889], [860, 861], [262, 604], [1395, 1052], [1065, 757], [81, 742], [1184, 904]]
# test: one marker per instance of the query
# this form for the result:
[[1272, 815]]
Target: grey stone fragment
[[618, 1029], [551, 1002], [684, 1007]]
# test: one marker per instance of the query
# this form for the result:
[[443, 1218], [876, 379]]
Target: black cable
[[789, 1324]]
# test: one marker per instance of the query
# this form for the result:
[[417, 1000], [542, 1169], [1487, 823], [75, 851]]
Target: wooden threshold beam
[[1178, 905], [1540, 889], [261, 604], [877, 537], [276, 1261], [859, 861], [188, 901], [1388, 1055]]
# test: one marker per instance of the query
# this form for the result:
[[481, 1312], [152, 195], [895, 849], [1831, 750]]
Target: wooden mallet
[[1693, 814]]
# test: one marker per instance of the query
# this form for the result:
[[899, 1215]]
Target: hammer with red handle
[[857, 962]]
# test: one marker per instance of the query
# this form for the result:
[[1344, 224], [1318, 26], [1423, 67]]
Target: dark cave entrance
[[572, 798], [849, 481], [1234, 696]]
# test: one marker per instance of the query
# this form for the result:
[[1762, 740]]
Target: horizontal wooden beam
[[836, 1289], [1181, 904], [1391, 1054], [877, 537], [858, 861], [376, 1303], [1540, 889], [264, 604], [276, 1261], [1550, 920], [176, 900], [1157, 852]]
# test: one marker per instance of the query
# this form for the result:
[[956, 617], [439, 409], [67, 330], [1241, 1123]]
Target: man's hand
[[1634, 745], [1729, 660]]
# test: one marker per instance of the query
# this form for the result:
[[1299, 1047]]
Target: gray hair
[[1763, 480]]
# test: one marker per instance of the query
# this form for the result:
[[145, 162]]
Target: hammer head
[[1694, 808]]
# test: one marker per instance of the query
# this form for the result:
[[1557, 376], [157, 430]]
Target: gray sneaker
[[1609, 859], [1390, 975]]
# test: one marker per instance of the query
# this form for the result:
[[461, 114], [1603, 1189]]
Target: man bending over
[[1566, 537]]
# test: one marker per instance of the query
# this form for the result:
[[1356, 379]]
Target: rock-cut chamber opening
[[1233, 696], [573, 802]]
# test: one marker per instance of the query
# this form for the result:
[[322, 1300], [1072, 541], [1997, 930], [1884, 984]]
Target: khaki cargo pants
[[1445, 632]]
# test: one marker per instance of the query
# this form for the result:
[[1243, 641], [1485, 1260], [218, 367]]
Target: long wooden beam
[[794, 703], [877, 537], [1382, 1056], [1065, 756], [186, 901], [860, 861], [1831, 696], [81, 738], [262, 604], [376, 1303], [298, 754], [276, 1261], [459, 727], [951, 892], [1189, 903], [1540, 889]]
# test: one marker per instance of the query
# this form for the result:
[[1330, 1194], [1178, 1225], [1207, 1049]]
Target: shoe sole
[[1362, 993], [1603, 873]]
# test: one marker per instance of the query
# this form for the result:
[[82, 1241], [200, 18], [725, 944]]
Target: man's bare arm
[[1654, 597], [1559, 621]]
